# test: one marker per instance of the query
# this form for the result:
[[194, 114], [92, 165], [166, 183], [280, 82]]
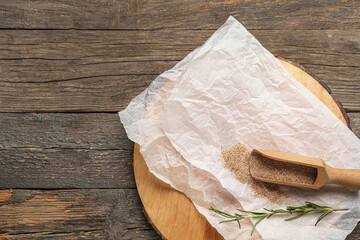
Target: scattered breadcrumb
[[237, 160]]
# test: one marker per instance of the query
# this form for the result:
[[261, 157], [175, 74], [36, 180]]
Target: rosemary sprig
[[300, 211]]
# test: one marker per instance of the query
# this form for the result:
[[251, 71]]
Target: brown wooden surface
[[47, 203], [64, 151], [72, 214], [152, 15], [43, 70], [95, 56]]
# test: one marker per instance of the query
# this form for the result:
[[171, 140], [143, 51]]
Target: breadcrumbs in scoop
[[265, 168]]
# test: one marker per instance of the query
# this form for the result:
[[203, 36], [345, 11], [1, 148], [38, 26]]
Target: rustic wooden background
[[67, 68]]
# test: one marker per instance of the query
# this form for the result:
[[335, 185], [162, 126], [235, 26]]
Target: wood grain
[[73, 214], [78, 214], [70, 150], [95, 56], [151, 15], [64, 151], [101, 71], [355, 123], [14, 124]]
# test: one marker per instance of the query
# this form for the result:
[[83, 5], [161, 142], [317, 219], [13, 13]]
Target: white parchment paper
[[232, 90]]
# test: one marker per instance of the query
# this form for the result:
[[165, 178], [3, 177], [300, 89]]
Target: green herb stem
[[301, 211]]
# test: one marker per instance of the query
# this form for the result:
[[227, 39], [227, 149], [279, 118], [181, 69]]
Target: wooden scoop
[[325, 174]]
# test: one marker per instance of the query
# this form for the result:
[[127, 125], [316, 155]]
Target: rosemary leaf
[[297, 216], [322, 216], [253, 228]]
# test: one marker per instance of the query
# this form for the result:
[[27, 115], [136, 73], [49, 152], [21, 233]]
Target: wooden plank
[[48, 70], [64, 151], [60, 225], [64, 168], [355, 123], [70, 151], [107, 14], [90, 47], [73, 214], [77, 214]]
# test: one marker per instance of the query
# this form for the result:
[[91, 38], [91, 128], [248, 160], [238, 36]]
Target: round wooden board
[[170, 212]]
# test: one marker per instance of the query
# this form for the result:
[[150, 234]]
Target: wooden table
[[68, 67]]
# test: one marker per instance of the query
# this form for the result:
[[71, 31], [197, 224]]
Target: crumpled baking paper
[[232, 90]]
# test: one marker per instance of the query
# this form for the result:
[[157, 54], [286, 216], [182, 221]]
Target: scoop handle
[[347, 177]]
